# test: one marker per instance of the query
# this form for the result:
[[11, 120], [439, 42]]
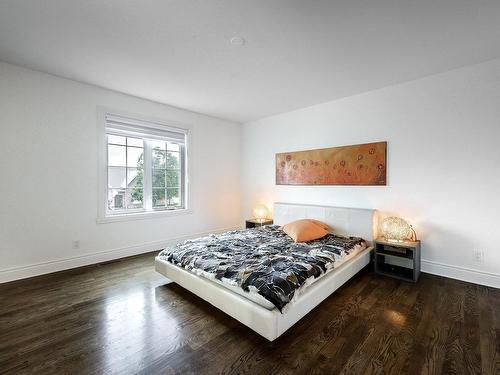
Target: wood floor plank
[[472, 342], [121, 317], [490, 356]]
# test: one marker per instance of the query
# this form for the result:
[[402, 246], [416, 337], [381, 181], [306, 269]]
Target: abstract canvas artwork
[[363, 164]]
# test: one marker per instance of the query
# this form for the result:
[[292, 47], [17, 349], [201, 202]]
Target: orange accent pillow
[[320, 223], [304, 230]]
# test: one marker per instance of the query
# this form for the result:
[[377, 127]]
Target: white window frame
[[107, 216]]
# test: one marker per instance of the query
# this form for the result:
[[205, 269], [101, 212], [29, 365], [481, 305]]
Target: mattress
[[263, 264]]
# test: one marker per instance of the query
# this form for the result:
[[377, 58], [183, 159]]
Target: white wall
[[48, 176], [443, 136]]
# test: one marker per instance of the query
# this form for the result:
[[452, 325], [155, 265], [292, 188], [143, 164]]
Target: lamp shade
[[260, 212], [396, 229]]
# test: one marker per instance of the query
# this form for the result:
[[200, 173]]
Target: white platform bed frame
[[271, 323]]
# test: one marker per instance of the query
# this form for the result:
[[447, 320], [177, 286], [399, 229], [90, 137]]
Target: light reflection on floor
[[134, 321], [396, 317]]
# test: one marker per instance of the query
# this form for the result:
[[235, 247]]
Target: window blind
[[144, 129]]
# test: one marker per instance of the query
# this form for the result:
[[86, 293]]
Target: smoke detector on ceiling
[[237, 41]]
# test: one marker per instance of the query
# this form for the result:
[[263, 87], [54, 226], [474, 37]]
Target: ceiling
[[297, 53]]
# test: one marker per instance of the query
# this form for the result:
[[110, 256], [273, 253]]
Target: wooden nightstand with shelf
[[400, 260], [252, 223]]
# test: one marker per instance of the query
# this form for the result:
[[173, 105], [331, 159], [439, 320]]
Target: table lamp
[[395, 229], [260, 212]]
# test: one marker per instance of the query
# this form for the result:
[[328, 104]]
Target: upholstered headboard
[[344, 221]]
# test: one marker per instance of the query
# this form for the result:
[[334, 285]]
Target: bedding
[[262, 259], [253, 294]]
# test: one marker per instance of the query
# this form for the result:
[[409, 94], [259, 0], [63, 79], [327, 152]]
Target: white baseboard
[[461, 273], [31, 270]]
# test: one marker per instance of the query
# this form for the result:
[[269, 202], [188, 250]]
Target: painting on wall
[[363, 164]]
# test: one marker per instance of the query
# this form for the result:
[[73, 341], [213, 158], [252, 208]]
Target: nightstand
[[252, 223], [400, 260]]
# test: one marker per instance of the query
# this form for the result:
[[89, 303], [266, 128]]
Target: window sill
[[142, 216]]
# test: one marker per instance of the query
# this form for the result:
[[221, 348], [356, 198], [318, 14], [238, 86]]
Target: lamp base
[[395, 241], [398, 242]]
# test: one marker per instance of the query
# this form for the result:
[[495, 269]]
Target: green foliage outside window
[[163, 161]]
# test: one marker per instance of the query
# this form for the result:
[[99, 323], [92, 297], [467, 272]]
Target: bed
[[272, 317]]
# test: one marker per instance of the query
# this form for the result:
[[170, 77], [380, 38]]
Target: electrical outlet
[[478, 256], [75, 245]]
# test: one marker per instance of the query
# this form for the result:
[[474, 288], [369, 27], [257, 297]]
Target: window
[[146, 167]]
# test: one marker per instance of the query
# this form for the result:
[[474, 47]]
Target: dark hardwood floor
[[122, 317]]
